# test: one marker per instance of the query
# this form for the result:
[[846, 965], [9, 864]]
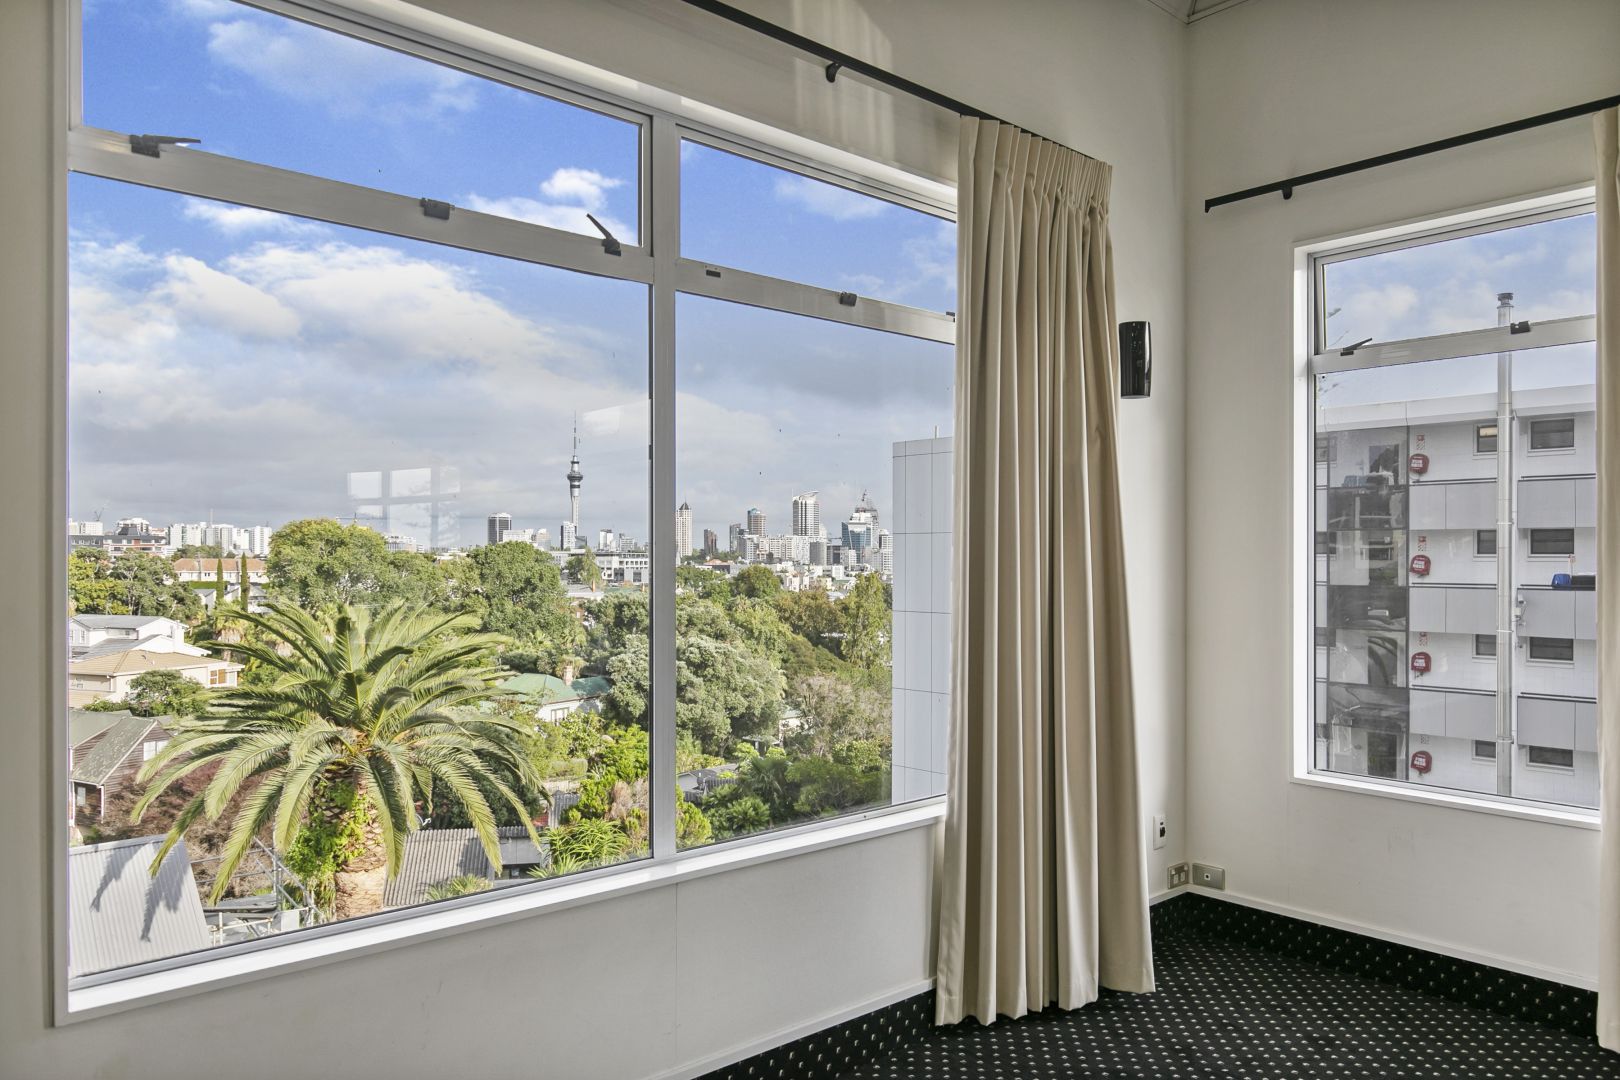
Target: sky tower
[[574, 477]]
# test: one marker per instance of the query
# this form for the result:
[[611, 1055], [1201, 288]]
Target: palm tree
[[356, 721]]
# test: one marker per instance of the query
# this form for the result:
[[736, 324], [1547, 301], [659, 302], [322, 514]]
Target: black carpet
[[1228, 1009]]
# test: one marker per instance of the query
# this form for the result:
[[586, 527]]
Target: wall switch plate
[[1159, 831], [1210, 877], [1178, 875]]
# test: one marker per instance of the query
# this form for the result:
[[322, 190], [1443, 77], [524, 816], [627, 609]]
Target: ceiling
[[1190, 11]]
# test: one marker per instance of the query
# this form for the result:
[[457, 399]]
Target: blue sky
[[231, 361]]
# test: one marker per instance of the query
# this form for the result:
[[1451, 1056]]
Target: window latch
[[433, 208], [1350, 350], [847, 299], [1519, 327], [610, 243], [148, 144]]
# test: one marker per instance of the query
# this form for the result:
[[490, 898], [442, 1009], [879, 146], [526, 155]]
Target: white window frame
[[655, 261], [1309, 359]]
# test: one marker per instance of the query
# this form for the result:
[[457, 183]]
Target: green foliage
[[326, 843], [583, 570], [198, 551], [692, 827], [689, 753], [135, 583], [165, 693], [827, 787], [812, 616], [584, 845], [756, 582], [460, 885], [702, 582], [613, 623], [321, 565], [835, 712], [364, 712], [622, 757], [732, 812], [517, 591], [866, 618]]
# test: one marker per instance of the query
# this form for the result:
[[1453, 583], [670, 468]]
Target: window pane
[[822, 453], [335, 416], [1556, 434], [1407, 679], [741, 213], [273, 90], [1550, 267]]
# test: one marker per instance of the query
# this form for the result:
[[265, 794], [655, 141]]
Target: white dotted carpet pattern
[[1229, 1010], [1229, 1006]]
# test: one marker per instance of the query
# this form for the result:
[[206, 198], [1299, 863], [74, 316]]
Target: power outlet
[[1160, 831], [1179, 874], [1210, 877]]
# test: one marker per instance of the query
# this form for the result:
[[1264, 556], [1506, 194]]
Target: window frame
[[1530, 551], [664, 121], [1309, 359], [1530, 435]]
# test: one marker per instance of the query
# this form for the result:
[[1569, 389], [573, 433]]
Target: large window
[[424, 543], [1455, 620]]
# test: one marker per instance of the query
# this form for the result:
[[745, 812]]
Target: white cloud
[[237, 220], [829, 201], [586, 187], [570, 192], [350, 78], [197, 291]]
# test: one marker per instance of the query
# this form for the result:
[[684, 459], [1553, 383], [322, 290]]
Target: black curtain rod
[[1286, 187], [837, 61]]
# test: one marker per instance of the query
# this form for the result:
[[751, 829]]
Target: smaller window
[[1552, 648], [1484, 541], [1485, 749], [1556, 756], [1325, 450], [150, 748], [1485, 439], [1484, 644], [1556, 434], [217, 676], [1552, 541], [1325, 544]]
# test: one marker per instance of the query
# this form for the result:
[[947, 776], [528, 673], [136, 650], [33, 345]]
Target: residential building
[[108, 677], [807, 516], [756, 521], [435, 856], [95, 635], [107, 750], [711, 543]]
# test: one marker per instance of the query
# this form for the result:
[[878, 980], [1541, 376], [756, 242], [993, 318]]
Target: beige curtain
[[1045, 889], [1607, 127]]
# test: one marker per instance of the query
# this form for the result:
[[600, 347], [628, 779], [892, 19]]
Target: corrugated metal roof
[[110, 752], [117, 622], [118, 645], [435, 855], [119, 914]]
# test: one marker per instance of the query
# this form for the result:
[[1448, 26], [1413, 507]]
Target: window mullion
[[665, 203]]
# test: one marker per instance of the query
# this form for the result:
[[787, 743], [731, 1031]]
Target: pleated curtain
[[1044, 897], [1607, 128]]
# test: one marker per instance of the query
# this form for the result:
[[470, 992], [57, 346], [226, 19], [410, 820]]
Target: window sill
[[1548, 813], [230, 966]]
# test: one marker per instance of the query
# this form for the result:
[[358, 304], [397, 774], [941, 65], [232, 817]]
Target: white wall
[[1278, 87], [673, 977]]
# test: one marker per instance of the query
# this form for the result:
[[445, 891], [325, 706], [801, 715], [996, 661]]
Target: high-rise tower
[[574, 477], [807, 515]]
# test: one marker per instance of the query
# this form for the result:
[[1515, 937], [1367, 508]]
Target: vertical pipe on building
[[1504, 556]]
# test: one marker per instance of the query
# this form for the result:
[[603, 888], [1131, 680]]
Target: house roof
[[435, 855], [107, 648], [117, 622], [548, 689], [105, 757], [120, 914], [134, 661], [86, 724]]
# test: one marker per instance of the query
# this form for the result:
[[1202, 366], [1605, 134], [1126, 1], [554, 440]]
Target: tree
[[364, 712], [835, 713], [519, 593], [731, 812], [220, 591], [198, 551], [757, 582], [866, 623], [90, 588], [723, 691], [165, 693], [812, 616], [703, 582], [145, 585], [321, 565], [582, 570]]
